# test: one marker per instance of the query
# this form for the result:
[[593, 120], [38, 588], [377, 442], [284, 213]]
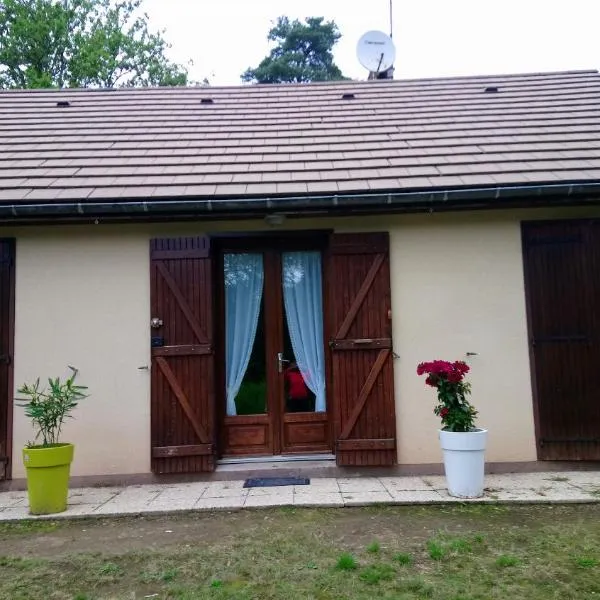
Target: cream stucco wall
[[459, 289], [82, 298]]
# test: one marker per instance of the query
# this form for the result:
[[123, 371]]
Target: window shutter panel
[[183, 364], [360, 343], [7, 330]]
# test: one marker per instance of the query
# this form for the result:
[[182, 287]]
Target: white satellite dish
[[376, 51]]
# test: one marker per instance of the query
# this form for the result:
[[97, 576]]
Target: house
[[257, 270]]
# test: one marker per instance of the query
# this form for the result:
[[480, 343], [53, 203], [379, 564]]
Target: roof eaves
[[221, 208]]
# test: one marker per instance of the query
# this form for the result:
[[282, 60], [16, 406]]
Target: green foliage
[[81, 43], [373, 547], [303, 52], [373, 574], [435, 550], [251, 399], [404, 559], [507, 561], [110, 569], [461, 546], [165, 575], [457, 413], [49, 409], [418, 586], [169, 575], [346, 562], [584, 562]]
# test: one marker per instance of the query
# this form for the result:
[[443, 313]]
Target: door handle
[[280, 361]]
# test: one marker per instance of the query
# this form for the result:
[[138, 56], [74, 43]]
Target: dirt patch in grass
[[406, 553]]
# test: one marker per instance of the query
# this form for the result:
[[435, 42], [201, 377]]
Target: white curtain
[[244, 276], [303, 299]]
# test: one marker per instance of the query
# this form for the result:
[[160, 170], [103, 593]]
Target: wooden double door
[[562, 272], [275, 409], [191, 426]]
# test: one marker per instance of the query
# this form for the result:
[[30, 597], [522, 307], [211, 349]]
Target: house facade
[[256, 271]]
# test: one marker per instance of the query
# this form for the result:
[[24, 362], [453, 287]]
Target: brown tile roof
[[291, 140]]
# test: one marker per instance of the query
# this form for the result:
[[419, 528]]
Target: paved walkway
[[556, 487]]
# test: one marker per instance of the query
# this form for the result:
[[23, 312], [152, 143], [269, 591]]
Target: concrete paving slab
[[404, 483], [360, 491], [416, 496], [226, 503], [361, 484], [366, 498], [264, 501], [319, 500]]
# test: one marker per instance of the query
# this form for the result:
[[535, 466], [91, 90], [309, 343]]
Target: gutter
[[389, 202]]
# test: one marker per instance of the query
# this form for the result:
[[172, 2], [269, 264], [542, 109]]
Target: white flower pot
[[464, 461]]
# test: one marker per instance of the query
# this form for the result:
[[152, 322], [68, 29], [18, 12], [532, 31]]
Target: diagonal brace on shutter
[[185, 307], [364, 393], [183, 401], [360, 297]]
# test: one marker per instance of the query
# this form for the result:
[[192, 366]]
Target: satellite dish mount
[[376, 53]]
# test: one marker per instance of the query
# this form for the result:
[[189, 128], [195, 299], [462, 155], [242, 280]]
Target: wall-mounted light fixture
[[275, 220]]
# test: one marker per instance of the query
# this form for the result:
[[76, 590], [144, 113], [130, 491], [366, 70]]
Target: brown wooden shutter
[[7, 298], [183, 397], [362, 385], [562, 274]]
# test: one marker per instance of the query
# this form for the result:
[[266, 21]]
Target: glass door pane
[[245, 369], [298, 396], [303, 332], [251, 398]]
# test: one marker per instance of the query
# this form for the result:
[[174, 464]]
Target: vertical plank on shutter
[[361, 349], [562, 273], [183, 397], [7, 305]]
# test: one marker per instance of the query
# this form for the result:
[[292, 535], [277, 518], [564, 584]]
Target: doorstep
[[237, 470], [160, 499]]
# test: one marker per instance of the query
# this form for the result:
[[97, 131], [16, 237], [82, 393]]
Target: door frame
[[526, 225], [273, 241], [9, 245]]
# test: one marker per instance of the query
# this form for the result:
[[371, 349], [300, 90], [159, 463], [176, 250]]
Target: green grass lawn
[[402, 553]]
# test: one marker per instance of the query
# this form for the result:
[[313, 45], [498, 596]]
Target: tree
[[81, 43], [303, 52]]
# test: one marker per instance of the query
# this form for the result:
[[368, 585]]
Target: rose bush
[[453, 408]]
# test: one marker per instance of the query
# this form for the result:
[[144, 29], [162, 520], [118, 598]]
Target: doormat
[[275, 481]]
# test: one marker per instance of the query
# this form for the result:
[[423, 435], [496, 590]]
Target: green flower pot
[[48, 477]]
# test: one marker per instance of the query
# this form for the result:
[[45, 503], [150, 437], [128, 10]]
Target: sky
[[433, 37]]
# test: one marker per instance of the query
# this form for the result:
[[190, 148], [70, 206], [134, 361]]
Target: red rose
[[432, 380], [444, 412], [443, 370], [454, 377], [461, 367]]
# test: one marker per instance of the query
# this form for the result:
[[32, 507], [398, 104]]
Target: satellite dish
[[376, 51]]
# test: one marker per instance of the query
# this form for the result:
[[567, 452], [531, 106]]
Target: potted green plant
[[48, 464], [463, 444]]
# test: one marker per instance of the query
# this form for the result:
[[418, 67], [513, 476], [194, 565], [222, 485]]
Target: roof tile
[[261, 188], [13, 195], [231, 189], [43, 194], [296, 139], [384, 184], [323, 187]]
